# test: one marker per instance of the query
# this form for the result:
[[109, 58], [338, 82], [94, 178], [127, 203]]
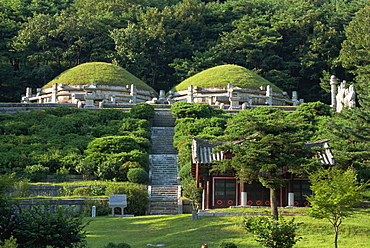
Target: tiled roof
[[202, 151]]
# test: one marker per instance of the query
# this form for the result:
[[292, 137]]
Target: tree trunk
[[336, 230], [273, 205]]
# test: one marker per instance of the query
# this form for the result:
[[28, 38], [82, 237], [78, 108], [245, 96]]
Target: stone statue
[[340, 96], [345, 97], [349, 99]]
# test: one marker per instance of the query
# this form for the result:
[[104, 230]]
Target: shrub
[[65, 190], [132, 124], [138, 175], [224, 244], [45, 225], [9, 243], [36, 172], [191, 192], [271, 233], [193, 110], [98, 188], [120, 245], [83, 191], [142, 110], [61, 174], [21, 188], [137, 196], [106, 115]]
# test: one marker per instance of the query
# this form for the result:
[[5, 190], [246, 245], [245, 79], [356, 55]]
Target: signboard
[[117, 200]]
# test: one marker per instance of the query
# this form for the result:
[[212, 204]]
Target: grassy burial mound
[[220, 76], [100, 72]]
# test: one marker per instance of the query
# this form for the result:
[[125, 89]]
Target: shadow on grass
[[178, 231]]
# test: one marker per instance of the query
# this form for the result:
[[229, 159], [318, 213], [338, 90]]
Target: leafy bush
[[191, 192], [62, 111], [193, 110], [271, 233], [9, 243], [142, 110], [46, 225], [98, 188], [83, 191], [120, 245], [132, 124], [138, 175], [224, 244], [21, 188], [65, 190], [106, 115], [15, 128], [36, 172], [137, 196]]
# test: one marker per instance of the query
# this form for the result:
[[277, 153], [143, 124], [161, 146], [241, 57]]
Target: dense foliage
[[271, 233], [65, 141], [194, 120], [293, 44], [43, 225], [267, 141]]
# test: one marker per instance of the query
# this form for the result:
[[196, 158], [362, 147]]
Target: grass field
[[181, 231]]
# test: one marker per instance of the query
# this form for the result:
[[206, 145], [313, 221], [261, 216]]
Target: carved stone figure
[[345, 97], [340, 96], [349, 99]]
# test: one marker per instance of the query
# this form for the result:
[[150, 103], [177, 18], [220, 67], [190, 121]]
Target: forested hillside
[[293, 43]]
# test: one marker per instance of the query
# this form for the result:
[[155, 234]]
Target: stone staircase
[[164, 182]]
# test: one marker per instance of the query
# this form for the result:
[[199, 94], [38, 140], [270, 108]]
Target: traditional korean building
[[222, 190], [90, 84]]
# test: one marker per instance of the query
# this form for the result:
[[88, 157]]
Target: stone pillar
[[204, 198], [243, 198], [234, 101], [28, 92], [295, 98], [162, 97], [269, 95], [233, 97], [333, 89], [90, 97], [290, 194], [113, 99], [190, 93], [133, 93], [54, 92], [244, 106]]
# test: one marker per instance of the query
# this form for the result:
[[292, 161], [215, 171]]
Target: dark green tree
[[355, 50], [269, 143], [44, 225]]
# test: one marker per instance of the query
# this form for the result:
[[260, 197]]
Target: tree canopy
[[267, 144], [293, 44]]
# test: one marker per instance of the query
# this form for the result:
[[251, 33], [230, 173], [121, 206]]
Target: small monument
[[342, 97]]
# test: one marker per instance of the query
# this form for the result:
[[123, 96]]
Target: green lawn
[[181, 231]]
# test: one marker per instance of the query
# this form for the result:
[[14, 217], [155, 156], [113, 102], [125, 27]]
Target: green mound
[[220, 76], [100, 72]]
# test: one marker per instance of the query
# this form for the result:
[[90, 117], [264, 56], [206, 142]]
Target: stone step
[[163, 165], [163, 118], [162, 140], [162, 206]]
